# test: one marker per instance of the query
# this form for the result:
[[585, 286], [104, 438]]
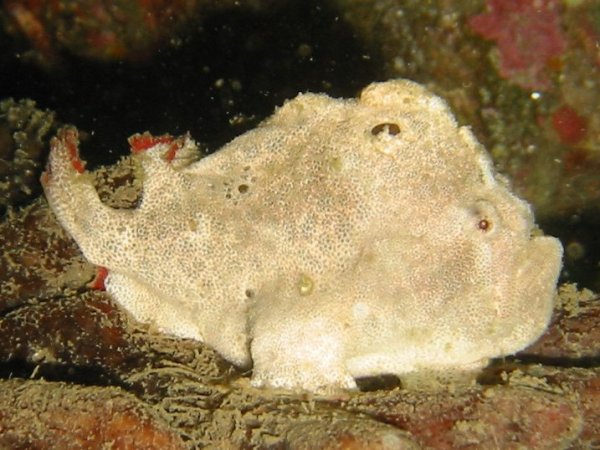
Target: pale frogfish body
[[339, 239]]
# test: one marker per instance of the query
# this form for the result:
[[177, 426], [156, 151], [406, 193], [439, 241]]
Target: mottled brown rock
[[79, 331], [573, 334], [42, 415], [493, 417], [38, 260], [349, 435], [587, 384], [90, 332]]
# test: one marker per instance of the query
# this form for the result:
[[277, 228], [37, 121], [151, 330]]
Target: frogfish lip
[[545, 256], [538, 275]]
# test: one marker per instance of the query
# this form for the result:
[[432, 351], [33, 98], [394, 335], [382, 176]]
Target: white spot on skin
[[360, 311], [305, 285]]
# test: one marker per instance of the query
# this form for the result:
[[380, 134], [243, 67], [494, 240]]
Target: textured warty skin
[[339, 239]]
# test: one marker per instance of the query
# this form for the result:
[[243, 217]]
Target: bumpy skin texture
[[339, 239]]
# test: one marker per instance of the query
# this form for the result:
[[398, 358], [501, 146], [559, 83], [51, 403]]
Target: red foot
[[69, 138], [98, 281], [142, 142], [45, 178]]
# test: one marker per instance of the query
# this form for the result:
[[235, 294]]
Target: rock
[[42, 415]]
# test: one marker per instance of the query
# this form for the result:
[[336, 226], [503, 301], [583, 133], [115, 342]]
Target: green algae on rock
[[24, 134]]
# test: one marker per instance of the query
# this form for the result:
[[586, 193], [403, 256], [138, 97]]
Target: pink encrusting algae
[[529, 38]]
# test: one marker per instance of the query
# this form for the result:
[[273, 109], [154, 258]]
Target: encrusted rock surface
[[42, 415]]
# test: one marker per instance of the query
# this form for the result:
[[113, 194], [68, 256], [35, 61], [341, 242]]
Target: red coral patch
[[570, 126]]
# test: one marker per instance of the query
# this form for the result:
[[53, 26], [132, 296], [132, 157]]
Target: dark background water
[[235, 64]]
